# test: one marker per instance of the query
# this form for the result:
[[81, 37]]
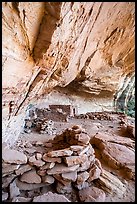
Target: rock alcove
[[68, 69]]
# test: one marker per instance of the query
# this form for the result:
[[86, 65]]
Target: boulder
[[82, 138], [118, 152]]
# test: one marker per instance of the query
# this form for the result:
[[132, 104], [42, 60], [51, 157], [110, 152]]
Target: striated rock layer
[[88, 46]]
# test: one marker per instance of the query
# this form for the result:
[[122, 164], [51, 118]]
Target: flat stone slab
[[38, 163], [85, 149], [90, 151], [30, 150], [38, 156], [73, 160], [61, 168], [51, 159], [28, 186], [9, 168], [41, 172], [72, 176], [30, 177], [92, 194], [60, 153], [7, 180], [48, 179], [24, 168], [76, 148], [50, 197], [101, 136], [14, 156]]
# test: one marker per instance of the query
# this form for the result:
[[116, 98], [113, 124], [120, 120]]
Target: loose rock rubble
[[97, 115], [73, 165], [39, 125]]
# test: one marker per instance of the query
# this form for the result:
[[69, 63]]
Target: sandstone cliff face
[[86, 46]]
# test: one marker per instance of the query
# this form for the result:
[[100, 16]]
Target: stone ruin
[[68, 162], [42, 119]]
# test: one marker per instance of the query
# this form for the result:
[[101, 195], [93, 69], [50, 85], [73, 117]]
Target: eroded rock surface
[[118, 152], [103, 69], [111, 183], [92, 194]]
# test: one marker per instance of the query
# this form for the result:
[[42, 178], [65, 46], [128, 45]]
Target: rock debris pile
[[97, 116], [68, 163], [41, 126]]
